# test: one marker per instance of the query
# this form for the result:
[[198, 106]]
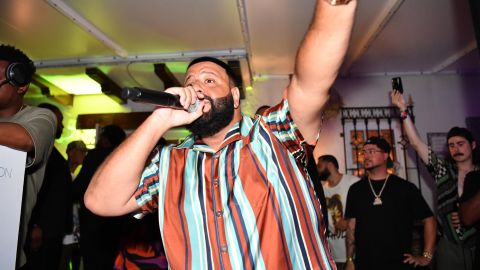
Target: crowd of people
[[240, 192]]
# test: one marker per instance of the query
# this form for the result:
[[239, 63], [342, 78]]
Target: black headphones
[[17, 74]]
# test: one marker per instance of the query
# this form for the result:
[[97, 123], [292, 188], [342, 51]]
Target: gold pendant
[[377, 201]]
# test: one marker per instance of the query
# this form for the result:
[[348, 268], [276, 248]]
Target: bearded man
[[235, 194], [335, 186], [382, 209]]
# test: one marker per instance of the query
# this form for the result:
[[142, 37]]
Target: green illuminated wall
[[82, 104]]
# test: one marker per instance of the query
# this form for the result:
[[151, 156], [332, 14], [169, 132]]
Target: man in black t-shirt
[[470, 208], [382, 209]]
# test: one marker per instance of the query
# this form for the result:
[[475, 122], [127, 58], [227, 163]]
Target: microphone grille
[[194, 106]]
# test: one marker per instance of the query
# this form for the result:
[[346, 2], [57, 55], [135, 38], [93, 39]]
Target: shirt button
[[216, 182], [219, 213], [215, 156], [223, 248]]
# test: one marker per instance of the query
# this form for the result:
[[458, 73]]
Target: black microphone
[[160, 98]]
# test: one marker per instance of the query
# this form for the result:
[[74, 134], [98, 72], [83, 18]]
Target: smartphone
[[397, 84]]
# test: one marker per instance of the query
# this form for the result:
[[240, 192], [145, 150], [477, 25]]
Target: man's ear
[[474, 145], [386, 155], [328, 166], [236, 97], [22, 89]]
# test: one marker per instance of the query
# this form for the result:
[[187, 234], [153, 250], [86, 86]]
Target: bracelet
[[337, 2], [404, 114], [349, 259], [427, 255]]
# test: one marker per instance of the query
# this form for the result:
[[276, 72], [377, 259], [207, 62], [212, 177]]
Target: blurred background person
[[470, 208], [141, 245], [52, 215], [336, 186], [76, 152], [99, 235]]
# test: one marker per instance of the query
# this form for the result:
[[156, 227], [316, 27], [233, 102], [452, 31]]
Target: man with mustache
[[381, 211], [235, 194], [456, 244]]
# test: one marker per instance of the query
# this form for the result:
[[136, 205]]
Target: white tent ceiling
[[124, 37]]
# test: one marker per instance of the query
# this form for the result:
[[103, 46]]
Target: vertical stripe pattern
[[250, 205]]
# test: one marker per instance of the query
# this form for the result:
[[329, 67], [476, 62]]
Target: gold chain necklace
[[378, 200]]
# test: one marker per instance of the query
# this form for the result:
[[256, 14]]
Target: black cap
[[380, 143], [76, 145]]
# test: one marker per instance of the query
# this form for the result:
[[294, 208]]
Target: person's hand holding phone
[[397, 84], [398, 100]]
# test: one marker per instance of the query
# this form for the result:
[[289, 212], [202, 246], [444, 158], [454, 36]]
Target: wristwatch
[[427, 255]]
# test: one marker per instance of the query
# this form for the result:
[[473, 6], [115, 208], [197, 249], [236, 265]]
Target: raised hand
[[398, 100]]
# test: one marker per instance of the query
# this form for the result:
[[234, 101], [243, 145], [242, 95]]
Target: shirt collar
[[237, 132]]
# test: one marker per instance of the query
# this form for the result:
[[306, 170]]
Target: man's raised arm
[[420, 147], [317, 64]]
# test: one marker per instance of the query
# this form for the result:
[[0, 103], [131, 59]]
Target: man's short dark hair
[[329, 158], [462, 132], [233, 78], [79, 144], [13, 55], [114, 134]]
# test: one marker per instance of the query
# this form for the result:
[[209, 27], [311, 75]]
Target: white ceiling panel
[[159, 26], [43, 33], [276, 29], [420, 36], [389, 36]]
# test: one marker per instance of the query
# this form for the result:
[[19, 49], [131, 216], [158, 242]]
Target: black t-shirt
[[383, 233], [470, 188]]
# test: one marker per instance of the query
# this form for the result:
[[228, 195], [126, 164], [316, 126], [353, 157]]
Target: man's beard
[[323, 175], [370, 166], [219, 116]]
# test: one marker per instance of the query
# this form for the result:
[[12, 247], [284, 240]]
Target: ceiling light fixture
[[79, 84], [52, 91], [183, 56]]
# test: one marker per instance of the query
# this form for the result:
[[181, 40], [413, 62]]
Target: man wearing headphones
[[24, 128]]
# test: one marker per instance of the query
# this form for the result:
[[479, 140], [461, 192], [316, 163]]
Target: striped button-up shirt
[[250, 205], [445, 173]]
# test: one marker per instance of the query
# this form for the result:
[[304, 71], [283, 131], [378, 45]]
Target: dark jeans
[[47, 257], [70, 253]]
